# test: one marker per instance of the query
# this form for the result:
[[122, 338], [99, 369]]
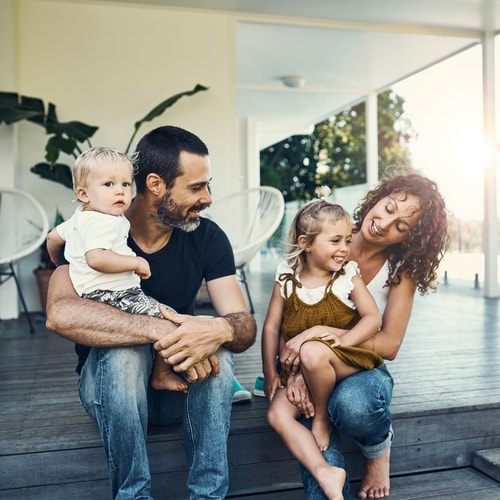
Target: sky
[[444, 104]]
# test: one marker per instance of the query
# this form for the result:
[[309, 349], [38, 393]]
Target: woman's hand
[[298, 394], [289, 352]]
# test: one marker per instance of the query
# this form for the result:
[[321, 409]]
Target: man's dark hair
[[158, 152]]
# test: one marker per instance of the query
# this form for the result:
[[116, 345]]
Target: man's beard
[[170, 214]]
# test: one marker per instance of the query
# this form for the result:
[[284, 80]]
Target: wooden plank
[[446, 405], [465, 484]]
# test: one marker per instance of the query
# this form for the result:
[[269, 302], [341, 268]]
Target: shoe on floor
[[240, 394], [258, 389]]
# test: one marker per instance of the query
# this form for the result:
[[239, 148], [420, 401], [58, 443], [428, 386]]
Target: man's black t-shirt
[[178, 269]]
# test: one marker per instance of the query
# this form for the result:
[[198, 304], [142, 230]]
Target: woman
[[399, 239]]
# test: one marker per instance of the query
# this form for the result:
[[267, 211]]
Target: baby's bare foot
[[321, 430], [376, 482], [169, 382]]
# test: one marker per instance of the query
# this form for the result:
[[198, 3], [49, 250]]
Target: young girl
[[317, 286], [399, 239], [102, 267]]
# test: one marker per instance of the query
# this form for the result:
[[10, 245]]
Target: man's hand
[[190, 348]]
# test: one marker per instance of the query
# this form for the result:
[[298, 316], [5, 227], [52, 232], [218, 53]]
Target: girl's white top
[[342, 286]]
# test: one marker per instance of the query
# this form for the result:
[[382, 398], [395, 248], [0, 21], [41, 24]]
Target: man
[[182, 248]]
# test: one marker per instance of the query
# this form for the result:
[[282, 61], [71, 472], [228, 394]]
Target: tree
[[335, 153]]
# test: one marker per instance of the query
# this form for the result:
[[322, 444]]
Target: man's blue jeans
[[115, 392], [358, 407]]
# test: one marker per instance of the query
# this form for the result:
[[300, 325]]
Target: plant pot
[[42, 279]]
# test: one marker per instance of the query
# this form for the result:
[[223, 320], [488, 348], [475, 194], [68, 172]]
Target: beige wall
[[108, 65]]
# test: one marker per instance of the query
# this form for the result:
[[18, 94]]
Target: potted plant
[[70, 138]]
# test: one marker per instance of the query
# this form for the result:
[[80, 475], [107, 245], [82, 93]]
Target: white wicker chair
[[249, 218], [23, 226]]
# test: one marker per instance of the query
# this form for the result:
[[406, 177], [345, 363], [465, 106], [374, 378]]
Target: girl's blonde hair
[[97, 157], [308, 222]]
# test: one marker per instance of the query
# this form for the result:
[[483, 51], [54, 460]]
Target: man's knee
[[115, 374]]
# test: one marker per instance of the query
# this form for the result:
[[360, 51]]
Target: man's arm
[[229, 303], [55, 245], [94, 324], [198, 338]]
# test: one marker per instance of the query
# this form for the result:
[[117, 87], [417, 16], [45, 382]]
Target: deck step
[[488, 462], [259, 462]]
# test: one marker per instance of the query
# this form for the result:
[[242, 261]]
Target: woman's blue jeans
[[115, 392], [358, 407]]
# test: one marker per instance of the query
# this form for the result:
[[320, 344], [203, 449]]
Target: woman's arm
[[388, 340], [369, 323]]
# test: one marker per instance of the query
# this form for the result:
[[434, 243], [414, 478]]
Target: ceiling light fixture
[[293, 81]]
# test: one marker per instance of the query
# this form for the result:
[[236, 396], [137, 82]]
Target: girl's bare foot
[[331, 480], [376, 482], [322, 430]]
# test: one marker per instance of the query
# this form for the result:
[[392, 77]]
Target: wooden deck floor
[[447, 390]]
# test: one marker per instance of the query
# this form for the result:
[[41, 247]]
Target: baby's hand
[[142, 268]]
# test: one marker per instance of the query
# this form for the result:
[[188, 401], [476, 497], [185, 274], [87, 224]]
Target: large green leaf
[[9, 98], [76, 130], [10, 115], [58, 172], [15, 108], [56, 144], [36, 105], [65, 137], [161, 108]]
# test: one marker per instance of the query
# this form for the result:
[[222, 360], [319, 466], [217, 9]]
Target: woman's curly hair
[[419, 254]]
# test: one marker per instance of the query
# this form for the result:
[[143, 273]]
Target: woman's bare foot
[[331, 480], [164, 379], [376, 482], [321, 430]]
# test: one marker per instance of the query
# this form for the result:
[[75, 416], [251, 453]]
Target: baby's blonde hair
[[308, 222], [95, 158]]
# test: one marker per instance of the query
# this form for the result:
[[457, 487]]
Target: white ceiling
[[344, 49]]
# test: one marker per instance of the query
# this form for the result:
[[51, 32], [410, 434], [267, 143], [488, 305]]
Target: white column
[[371, 139], [8, 143], [490, 236], [252, 154], [8, 84]]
